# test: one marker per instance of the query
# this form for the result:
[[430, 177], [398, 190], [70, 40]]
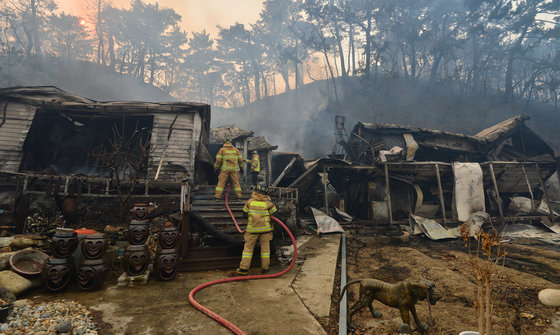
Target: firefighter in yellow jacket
[[255, 167], [258, 209], [229, 161]]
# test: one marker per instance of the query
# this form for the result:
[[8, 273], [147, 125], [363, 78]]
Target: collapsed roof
[[231, 132], [506, 141]]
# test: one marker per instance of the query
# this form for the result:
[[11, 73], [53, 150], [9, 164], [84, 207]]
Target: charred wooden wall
[[15, 120], [178, 146]]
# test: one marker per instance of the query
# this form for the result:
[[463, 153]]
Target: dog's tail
[[333, 298]]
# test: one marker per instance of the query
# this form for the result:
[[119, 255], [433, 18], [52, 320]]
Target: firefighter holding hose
[[258, 210], [229, 161]]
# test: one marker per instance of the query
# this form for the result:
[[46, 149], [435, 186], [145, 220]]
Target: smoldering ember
[[279, 167]]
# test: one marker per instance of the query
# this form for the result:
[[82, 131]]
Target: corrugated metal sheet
[[13, 133]]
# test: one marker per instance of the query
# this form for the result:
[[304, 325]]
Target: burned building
[[398, 170], [48, 131], [53, 141]]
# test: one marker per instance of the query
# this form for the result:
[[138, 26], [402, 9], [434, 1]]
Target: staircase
[[216, 213]]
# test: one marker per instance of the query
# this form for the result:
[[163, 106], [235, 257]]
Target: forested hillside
[[451, 64], [303, 120]]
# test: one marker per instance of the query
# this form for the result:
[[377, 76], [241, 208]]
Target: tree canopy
[[479, 47]]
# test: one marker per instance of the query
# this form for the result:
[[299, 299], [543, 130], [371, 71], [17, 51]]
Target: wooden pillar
[[498, 199], [441, 200], [269, 167], [245, 147], [325, 182], [388, 193], [66, 183], [545, 194], [185, 217], [558, 175], [529, 187]]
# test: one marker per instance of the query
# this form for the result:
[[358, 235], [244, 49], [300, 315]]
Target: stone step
[[217, 204], [217, 215], [210, 197], [218, 222], [202, 210]]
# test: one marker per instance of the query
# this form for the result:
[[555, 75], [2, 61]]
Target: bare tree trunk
[[98, 30], [480, 300], [350, 50], [37, 42], [508, 89], [286, 78], [412, 61], [152, 66], [257, 79], [332, 75], [265, 84], [368, 42], [112, 52], [405, 68], [433, 70], [29, 35], [341, 52], [488, 305]]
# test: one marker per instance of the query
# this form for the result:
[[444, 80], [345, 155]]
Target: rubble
[[62, 316]]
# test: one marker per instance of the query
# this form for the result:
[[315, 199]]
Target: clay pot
[[165, 264], [28, 263], [64, 242], [57, 273], [139, 211], [136, 259], [94, 246], [168, 237], [138, 232], [91, 274]]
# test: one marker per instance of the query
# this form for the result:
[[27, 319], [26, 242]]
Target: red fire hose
[[234, 329], [231, 214]]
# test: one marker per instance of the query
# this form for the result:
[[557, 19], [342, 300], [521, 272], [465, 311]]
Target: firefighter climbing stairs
[[215, 212]]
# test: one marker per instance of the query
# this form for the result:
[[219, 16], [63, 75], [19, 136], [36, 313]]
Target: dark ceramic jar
[[57, 273], [91, 274], [139, 211], [136, 259], [168, 237], [138, 232], [64, 242], [165, 264], [94, 246]]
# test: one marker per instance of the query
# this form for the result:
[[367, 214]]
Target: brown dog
[[402, 295]]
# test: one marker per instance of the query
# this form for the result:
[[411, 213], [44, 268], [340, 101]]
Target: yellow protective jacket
[[255, 163], [228, 158], [259, 209]]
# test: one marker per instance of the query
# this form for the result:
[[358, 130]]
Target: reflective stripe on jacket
[[255, 164], [259, 208], [228, 158]]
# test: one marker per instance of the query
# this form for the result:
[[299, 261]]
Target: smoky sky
[[195, 15]]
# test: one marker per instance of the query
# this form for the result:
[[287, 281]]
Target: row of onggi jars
[[136, 257], [60, 269]]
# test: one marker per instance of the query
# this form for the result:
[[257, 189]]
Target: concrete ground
[[290, 304]]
